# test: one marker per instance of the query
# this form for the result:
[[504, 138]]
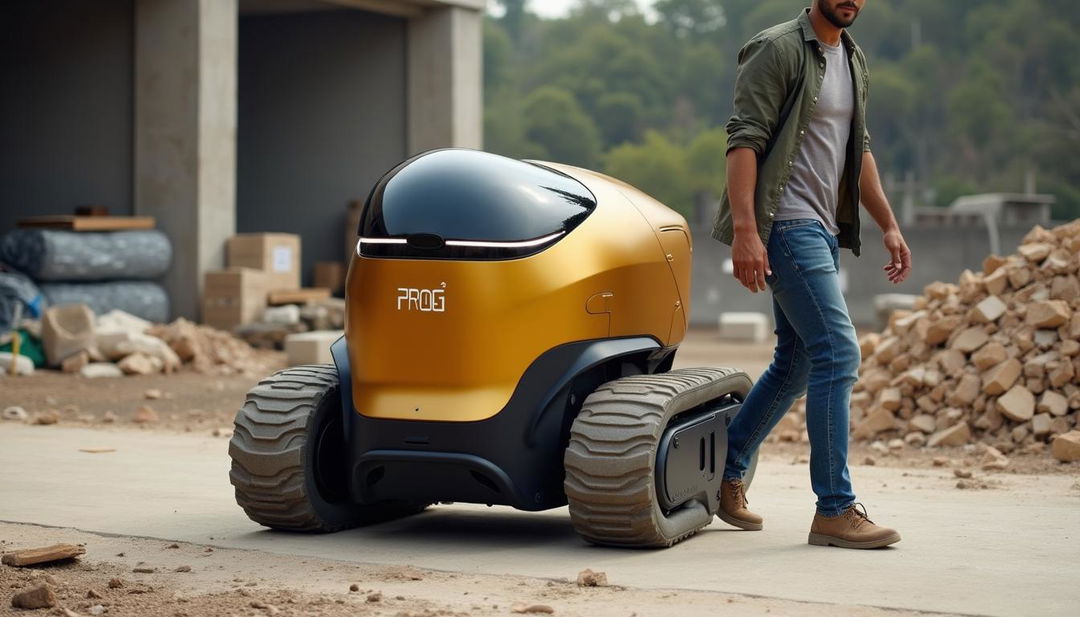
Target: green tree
[[555, 123], [657, 167], [619, 116]]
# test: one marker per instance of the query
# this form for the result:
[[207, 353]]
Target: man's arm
[[749, 257], [760, 90], [877, 204]]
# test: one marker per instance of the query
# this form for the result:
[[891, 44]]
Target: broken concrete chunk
[[1018, 404], [32, 556], [1002, 377], [41, 596], [588, 578], [970, 339], [97, 370], [1066, 447], [1048, 313], [956, 435]]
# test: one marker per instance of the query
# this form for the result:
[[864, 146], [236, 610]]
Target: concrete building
[[226, 116]]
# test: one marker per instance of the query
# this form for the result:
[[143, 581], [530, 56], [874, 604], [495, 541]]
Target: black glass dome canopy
[[467, 204]]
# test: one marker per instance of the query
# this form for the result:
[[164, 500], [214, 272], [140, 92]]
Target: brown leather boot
[[852, 529], [733, 506]]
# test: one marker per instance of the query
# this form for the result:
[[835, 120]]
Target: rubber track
[[611, 459], [268, 448]]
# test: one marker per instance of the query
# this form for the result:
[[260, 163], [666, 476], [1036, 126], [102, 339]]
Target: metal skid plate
[[691, 456]]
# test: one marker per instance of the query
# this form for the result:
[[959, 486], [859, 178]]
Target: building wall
[[66, 111], [938, 254], [321, 117]]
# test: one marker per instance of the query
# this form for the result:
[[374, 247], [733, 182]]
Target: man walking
[[798, 163]]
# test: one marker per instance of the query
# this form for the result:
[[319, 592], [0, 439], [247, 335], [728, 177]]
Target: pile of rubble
[[994, 358], [118, 343]]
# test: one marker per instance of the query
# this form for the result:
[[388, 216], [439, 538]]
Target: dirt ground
[[188, 401], [186, 580]]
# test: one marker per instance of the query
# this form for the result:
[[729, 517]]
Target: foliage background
[[967, 95]]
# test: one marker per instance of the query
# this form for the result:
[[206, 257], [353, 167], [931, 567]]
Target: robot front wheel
[[627, 480], [287, 451]]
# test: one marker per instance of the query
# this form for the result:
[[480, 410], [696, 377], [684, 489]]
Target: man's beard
[[833, 16]]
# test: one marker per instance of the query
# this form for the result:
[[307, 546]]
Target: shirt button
[[770, 215], [821, 64], [815, 99], [802, 132]]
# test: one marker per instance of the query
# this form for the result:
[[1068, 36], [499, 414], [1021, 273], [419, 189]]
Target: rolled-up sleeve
[[760, 92]]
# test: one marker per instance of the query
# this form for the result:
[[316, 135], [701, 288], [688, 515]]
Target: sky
[[553, 8]]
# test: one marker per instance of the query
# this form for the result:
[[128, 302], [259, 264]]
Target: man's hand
[[750, 261], [899, 266]]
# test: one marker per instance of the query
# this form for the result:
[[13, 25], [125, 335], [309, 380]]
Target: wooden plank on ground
[[297, 296], [31, 556], [88, 223]]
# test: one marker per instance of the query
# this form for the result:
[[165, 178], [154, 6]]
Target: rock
[[47, 554], [122, 344], [286, 315], [108, 417], [97, 609], [1066, 447], [1062, 375], [990, 354], [225, 432], [992, 263], [889, 398], [965, 392], [152, 394], [961, 473], [67, 329], [895, 445], [96, 370], [951, 361], [374, 597], [922, 422], [988, 310], [915, 439], [1001, 377], [75, 362], [46, 417], [970, 339], [93, 594], [956, 435], [138, 364], [1035, 252], [939, 330], [23, 365], [1018, 404], [1052, 403], [869, 460], [145, 414], [144, 570], [531, 608], [182, 569], [15, 413], [1040, 425], [994, 459], [997, 282], [879, 419], [354, 587], [588, 578], [1048, 313], [41, 596], [115, 583], [940, 461]]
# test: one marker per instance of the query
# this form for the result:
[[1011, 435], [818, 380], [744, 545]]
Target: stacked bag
[[104, 270]]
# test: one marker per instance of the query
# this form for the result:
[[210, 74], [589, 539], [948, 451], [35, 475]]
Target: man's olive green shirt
[[776, 89]]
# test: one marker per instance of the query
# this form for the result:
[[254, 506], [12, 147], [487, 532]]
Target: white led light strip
[[469, 243]]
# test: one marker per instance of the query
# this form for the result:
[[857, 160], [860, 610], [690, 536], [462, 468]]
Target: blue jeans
[[817, 353]]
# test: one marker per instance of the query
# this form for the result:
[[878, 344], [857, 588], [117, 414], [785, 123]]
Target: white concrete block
[[311, 347], [744, 326]]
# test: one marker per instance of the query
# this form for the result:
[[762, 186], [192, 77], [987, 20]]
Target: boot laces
[[738, 492], [859, 515]]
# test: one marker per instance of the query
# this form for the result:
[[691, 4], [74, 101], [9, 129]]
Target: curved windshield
[[468, 204]]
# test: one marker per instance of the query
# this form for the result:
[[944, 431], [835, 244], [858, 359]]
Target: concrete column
[[445, 79], [185, 134]]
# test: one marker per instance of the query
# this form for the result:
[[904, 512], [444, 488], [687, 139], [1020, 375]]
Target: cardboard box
[[278, 255], [234, 297]]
